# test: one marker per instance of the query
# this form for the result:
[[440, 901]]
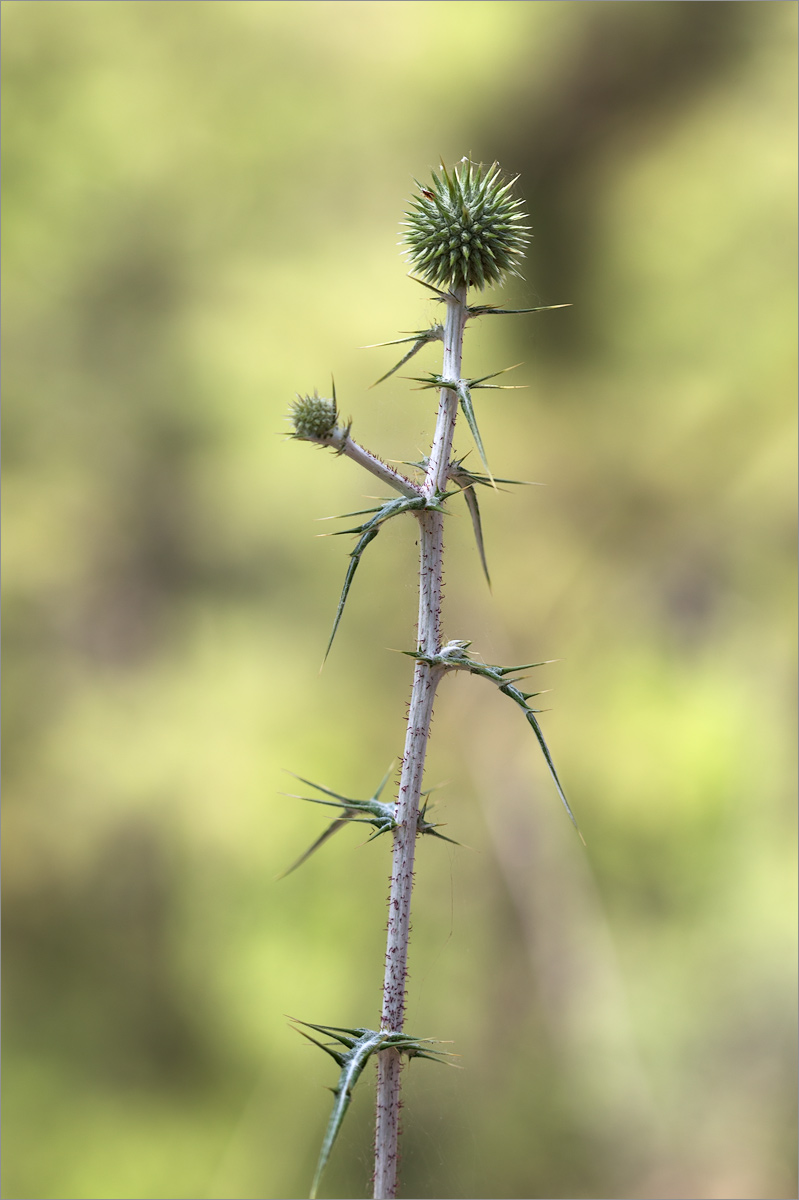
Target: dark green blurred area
[[201, 214]]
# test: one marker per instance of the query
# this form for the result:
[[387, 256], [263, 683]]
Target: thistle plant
[[464, 230]]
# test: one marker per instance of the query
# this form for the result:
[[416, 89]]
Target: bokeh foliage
[[201, 205]]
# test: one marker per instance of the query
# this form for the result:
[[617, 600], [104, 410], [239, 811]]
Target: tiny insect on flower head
[[465, 229], [313, 417]]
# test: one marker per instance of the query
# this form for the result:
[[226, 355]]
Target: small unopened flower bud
[[465, 229], [313, 417]]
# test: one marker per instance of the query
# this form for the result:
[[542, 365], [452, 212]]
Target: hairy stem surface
[[425, 681]]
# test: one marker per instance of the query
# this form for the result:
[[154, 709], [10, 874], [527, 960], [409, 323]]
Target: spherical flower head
[[313, 417], [465, 229]]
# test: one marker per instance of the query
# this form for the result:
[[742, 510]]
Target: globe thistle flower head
[[465, 229], [313, 417]]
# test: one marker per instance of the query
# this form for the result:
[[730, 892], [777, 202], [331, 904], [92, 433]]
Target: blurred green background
[[201, 211]]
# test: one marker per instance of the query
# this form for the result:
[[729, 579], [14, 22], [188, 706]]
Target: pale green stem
[[425, 681]]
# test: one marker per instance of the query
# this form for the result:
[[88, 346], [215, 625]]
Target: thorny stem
[[425, 682], [382, 470], [339, 439]]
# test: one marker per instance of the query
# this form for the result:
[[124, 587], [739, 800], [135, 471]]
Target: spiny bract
[[465, 230], [313, 417]]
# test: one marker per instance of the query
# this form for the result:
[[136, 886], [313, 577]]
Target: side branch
[[351, 449], [339, 439]]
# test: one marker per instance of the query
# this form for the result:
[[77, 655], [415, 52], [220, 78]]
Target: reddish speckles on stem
[[420, 713]]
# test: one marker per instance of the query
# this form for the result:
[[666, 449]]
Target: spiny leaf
[[335, 1054], [466, 480], [356, 512], [433, 381], [434, 333], [425, 826], [339, 823], [454, 656], [491, 310], [352, 1064], [465, 397], [522, 667], [369, 531], [355, 558], [502, 387], [361, 1045], [441, 295], [529, 713], [419, 338], [474, 511], [470, 497], [376, 813], [461, 475]]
